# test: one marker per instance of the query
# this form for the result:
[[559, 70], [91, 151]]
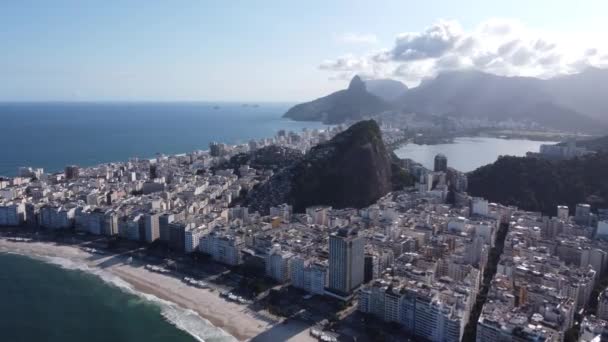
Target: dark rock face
[[354, 169], [348, 104]]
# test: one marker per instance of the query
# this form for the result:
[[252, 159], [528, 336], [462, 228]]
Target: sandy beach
[[235, 319]]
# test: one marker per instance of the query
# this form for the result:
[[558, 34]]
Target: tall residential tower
[[441, 163], [346, 262]]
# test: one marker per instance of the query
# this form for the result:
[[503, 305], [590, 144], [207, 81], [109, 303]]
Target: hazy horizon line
[[241, 102]]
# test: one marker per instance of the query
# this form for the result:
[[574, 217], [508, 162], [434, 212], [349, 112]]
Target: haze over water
[[466, 154], [53, 135]]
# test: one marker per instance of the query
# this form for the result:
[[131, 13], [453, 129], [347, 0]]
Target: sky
[[284, 51]]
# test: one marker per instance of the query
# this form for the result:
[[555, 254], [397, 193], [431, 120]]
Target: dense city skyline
[[304, 172]]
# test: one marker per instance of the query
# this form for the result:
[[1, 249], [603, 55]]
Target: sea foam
[[184, 319]]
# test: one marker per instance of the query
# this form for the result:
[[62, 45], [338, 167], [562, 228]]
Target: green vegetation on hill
[[273, 157], [353, 169], [541, 185]]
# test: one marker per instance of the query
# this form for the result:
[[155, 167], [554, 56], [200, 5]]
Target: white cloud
[[345, 67], [345, 63], [435, 41], [356, 38], [499, 46]]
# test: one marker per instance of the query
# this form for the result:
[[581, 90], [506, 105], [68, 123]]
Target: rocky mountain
[[354, 169], [349, 104], [584, 92], [541, 185], [573, 102], [476, 94], [387, 89]]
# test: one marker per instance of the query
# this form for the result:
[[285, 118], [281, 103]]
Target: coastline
[[224, 320]]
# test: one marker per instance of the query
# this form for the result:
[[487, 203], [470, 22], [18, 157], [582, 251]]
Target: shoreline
[[228, 320]]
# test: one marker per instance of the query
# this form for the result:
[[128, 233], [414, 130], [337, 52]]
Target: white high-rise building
[[563, 212], [8, 194], [283, 211], [223, 248], [56, 217], [12, 214], [602, 230], [308, 275], [434, 314], [163, 226], [602, 305], [479, 206], [133, 228], [192, 239], [582, 213], [28, 172], [110, 224], [319, 215], [278, 264], [346, 261], [90, 221], [151, 227]]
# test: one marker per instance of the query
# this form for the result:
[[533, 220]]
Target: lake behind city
[[468, 153]]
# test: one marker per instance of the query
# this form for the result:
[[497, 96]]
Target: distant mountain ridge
[[573, 102], [352, 103], [481, 95], [584, 92], [386, 89]]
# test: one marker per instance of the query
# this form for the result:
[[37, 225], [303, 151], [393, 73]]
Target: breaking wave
[[184, 319]]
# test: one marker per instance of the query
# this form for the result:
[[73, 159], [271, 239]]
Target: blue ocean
[[43, 302], [53, 135]]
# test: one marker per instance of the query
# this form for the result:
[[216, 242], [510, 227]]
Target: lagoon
[[468, 153]]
